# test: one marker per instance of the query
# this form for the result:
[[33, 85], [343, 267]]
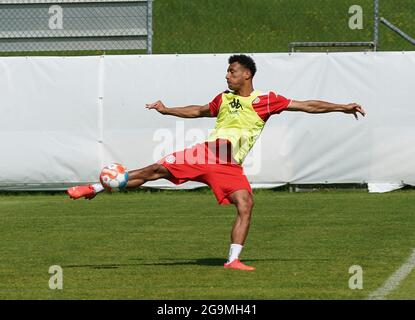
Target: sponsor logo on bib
[[170, 159]]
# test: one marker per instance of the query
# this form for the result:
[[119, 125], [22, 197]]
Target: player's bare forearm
[[192, 111], [183, 112], [317, 106]]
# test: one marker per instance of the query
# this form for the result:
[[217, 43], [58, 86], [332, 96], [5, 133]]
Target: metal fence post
[[149, 26], [376, 25]]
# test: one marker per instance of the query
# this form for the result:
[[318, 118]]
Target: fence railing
[[75, 25], [201, 26]]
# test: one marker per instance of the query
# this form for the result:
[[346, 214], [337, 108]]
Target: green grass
[[72, 53], [171, 245], [406, 290], [251, 25], [183, 26]]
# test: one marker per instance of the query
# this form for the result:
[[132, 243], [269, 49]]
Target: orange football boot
[[238, 265], [77, 192]]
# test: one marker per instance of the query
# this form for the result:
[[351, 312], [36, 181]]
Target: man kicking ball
[[241, 115]]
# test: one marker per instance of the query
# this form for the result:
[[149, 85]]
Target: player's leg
[[243, 201], [135, 179], [140, 176]]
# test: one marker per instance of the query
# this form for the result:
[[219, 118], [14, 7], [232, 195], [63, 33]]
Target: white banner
[[63, 118]]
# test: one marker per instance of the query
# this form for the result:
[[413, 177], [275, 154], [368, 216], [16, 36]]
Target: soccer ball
[[114, 177]]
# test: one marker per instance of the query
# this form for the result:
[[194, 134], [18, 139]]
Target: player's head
[[241, 70]]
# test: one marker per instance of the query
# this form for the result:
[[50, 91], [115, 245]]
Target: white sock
[[98, 187], [234, 252]]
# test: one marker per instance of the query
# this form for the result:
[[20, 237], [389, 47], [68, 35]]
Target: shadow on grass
[[213, 262]]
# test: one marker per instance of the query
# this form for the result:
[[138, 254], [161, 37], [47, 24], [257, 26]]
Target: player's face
[[236, 76]]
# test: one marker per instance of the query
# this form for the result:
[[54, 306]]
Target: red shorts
[[202, 164]]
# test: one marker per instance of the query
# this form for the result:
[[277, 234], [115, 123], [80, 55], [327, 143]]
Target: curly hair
[[245, 61]]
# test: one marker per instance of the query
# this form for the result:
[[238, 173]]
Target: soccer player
[[241, 115]]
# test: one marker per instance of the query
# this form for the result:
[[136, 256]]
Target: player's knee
[[158, 171], [245, 206], [248, 204], [155, 168]]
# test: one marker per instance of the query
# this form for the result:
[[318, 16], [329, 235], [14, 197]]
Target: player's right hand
[[158, 105]]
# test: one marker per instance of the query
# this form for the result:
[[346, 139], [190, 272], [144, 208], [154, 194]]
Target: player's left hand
[[354, 108], [158, 105]]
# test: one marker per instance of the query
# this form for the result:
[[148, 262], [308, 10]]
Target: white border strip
[[394, 280]]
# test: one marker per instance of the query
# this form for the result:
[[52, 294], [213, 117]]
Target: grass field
[[171, 245], [270, 25]]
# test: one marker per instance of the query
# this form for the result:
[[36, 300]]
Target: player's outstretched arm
[[182, 112], [316, 106]]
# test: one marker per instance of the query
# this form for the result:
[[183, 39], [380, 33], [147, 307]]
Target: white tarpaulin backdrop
[[63, 118]]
